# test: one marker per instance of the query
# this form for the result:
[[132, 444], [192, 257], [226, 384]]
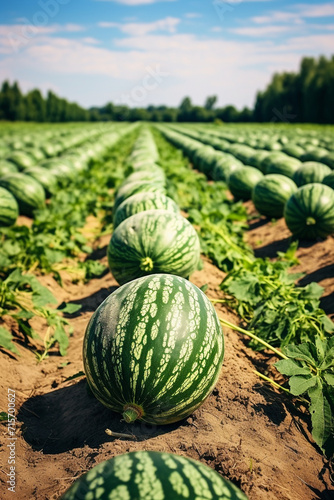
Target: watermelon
[[242, 181], [28, 192], [7, 167], [153, 349], [224, 167], [22, 160], [293, 149], [314, 154], [45, 177], [141, 202], [131, 188], [328, 159], [309, 213], [310, 172], [157, 175], [270, 159], [152, 475], [257, 158], [286, 166], [154, 241], [271, 193], [329, 180], [9, 210]]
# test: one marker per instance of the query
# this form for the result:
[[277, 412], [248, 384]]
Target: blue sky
[[141, 52]]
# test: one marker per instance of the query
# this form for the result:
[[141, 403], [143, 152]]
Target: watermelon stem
[[132, 413], [252, 336], [310, 221], [146, 264]]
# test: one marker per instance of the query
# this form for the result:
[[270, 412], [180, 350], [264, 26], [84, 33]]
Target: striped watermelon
[[242, 181], [7, 167], [153, 349], [21, 159], [310, 172], [131, 188], [329, 180], [45, 177], [286, 166], [28, 192], [151, 475], [9, 210], [271, 193], [309, 213], [141, 202], [154, 241]]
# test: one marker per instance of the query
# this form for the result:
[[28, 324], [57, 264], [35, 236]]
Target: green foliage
[[22, 298], [311, 370], [264, 294]]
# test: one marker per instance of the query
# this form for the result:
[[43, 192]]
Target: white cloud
[[297, 14], [261, 31], [168, 24]]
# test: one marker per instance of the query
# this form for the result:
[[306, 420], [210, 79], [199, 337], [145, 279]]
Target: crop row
[[277, 184]]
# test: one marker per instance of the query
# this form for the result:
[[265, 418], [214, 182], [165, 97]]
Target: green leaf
[[61, 337], [6, 340], [300, 384], [204, 288], [245, 289], [302, 352], [327, 324], [313, 291], [289, 367], [69, 308], [3, 416], [321, 415], [329, 378]]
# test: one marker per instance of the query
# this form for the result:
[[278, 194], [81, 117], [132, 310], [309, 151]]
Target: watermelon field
[[167, 311]]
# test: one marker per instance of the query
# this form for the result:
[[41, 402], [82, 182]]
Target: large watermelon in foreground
[[151, 475], [309, 213], [154, 241], [153, 349]]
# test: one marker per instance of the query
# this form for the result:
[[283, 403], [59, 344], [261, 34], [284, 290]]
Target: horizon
[[156, 52]]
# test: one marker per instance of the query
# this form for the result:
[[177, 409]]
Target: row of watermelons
[[154, 348], [27, 179], [302, 192], [303, 144]]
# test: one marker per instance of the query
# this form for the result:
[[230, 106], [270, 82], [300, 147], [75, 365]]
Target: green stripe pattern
[[142, 202], [28, 192], [9, 210], [154, 241], [154, 346], [309, 213], [151, 475], [242, 181], [131, 188], [311, 172], [271, 193]]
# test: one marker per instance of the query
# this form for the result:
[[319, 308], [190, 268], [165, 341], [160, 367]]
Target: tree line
[[305, 96]]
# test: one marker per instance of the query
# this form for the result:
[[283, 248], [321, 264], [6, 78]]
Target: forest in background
[[303, 97]]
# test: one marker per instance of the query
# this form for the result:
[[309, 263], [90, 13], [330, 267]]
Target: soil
[[246, 430]]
